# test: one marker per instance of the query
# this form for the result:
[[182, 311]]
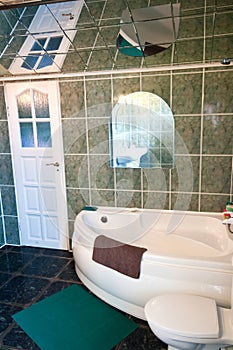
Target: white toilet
[[190, 322]]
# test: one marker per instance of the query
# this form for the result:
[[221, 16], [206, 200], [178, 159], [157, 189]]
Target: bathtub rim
[[150, 256]]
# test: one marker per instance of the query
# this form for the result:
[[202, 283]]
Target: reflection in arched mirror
[[142, 132]]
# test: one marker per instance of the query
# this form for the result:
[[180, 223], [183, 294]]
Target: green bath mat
[[74, 319]]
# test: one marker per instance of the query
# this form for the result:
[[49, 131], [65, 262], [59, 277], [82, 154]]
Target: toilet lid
[[184, 315]]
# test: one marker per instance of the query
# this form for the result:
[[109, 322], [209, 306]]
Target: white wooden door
[[36, 143]]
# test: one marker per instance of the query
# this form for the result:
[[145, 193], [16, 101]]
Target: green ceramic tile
[[2, 238], [8, 200], [156, 179], [12, 230], [218, 134], [185, 173], [223, 3], [2, 104], [188, 134], [4, 137], [218, 48], [103, 198], [159, 2], [114, 8], [76, 171], [189, 51], [189, 4], [155, 200], [98, 95], [213, 203], [125, 86], [95, 11], [76, 200], [102, 176], [128, 199], [98, 135], [128, 179], [76, 60], [191, 27], [158, 85], [72, 99], [85, 38], [74, 136], [223, 23], [184, 201], [137, 4], [108, 33], [216, 174], [101, 59], [217, 98], [124, 61], [210, 23], [187, 93], [6, 174], [70, 230]]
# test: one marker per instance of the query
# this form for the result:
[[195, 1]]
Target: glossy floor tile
[[28, 275]]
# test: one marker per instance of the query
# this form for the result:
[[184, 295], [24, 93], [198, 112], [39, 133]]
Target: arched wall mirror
[[141, 132]]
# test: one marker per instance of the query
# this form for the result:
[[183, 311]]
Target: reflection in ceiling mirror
[[79, 36], [141, 132], [147, 31], [52, 31]]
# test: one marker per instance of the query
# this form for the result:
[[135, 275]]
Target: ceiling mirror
[[141, 132], [147, 31]]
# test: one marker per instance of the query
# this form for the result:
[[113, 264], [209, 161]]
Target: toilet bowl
[[190, 322]]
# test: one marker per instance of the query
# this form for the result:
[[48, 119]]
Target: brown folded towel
[[119, 256]]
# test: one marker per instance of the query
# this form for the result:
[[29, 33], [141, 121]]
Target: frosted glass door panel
[[24, 104], [41, 104], [26, 132], [34, 104], [44, 134]]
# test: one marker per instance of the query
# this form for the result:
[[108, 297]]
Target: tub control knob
[[104, 219]]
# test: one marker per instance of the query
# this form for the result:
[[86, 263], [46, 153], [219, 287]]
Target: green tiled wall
[[202, 177], [9, 220], [2, 238]]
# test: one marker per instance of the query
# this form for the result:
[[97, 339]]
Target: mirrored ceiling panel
[[75, 36]]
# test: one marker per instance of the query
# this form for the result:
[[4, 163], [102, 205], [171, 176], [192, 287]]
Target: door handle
[[54, 164]]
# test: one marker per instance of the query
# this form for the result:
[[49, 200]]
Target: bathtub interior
[[162, 232], [123, 225], [206, 230], [131, 225]]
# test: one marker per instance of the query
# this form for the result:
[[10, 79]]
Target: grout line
[[114, 169], [204, 33], [201, 141], [231, 185], [87, 140]]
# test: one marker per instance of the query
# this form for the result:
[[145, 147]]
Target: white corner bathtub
[[187, 252]]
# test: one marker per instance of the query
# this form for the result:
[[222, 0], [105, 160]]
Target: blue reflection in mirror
[[141, 132]]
